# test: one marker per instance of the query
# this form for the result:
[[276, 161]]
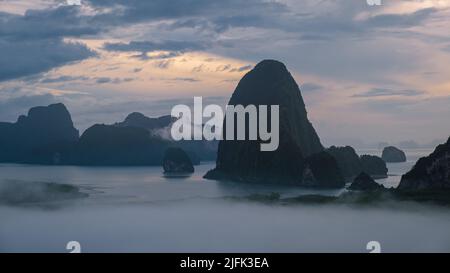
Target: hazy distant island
[[393, 154]]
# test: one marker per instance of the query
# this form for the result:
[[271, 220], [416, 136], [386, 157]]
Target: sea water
[[139, 209]]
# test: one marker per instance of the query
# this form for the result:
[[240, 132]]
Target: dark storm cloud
[[148, 46], [28, 57], [401, 20], [63, 21], [311, 27], [219, 16], [137, 10], [383, 92], [43, 31], [33, 43]]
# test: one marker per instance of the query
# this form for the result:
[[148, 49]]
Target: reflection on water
[[141, 209]]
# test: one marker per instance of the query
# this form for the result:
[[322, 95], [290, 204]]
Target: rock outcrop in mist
[[294, 162], [429, 173], [351, 165], [363, 182], [393, 155], [374, 166], [109, 145], [348, 160], [177, 161]]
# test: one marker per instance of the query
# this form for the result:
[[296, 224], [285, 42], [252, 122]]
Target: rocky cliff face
[[39, 137], [321, 170], [348, 160], [270, 83], [177, 161], [363, 182], [351, 165], [109, 145], [374, 166], [140, 120], [431, 172], [393, 154]]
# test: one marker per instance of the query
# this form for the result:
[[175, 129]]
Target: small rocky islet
[[392, 154], [176, 161]]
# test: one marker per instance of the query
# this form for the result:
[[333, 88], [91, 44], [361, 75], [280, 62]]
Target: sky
[[367, 73]]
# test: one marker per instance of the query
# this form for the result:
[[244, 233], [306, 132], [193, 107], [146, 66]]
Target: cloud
[[186, 79], [308, 86], [198, 68], [102, 80], [29, 57], [62, 21], [160, 56], [222, 68], [148, 46], [34, 42], [340, 41], [383, 92], [171, 48], [400, 20], [313, 23], [163, 64], [134, 11], [242, 68], [64, 78], [48, 27]]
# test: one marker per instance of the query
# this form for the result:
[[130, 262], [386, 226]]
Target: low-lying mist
[[212, 225]]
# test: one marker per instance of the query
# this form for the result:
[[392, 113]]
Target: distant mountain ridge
[[39, 137], [47, 136], [137, 119]]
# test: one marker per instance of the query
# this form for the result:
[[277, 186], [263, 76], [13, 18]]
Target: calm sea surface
[[138, 209]]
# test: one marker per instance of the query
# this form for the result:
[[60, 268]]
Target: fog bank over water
[[222, 226], [138, 209]]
